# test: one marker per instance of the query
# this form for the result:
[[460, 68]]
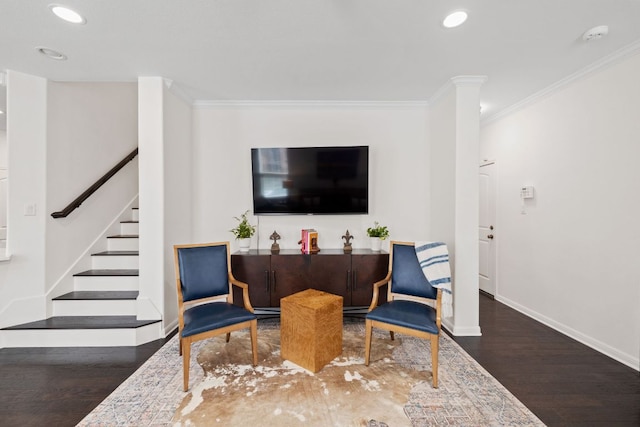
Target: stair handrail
[[89, 191]]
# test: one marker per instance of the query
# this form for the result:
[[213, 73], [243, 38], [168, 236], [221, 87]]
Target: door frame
[[495, 218]]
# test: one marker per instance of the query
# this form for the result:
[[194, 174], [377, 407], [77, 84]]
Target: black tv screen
[[310, 180]]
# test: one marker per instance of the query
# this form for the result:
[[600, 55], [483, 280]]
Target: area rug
[[395, 390], [280, 393]]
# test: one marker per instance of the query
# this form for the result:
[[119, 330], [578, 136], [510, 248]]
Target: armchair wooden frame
[[185, 342], [370, 324]]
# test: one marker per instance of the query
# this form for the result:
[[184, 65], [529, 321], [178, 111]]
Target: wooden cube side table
[[311, 328]]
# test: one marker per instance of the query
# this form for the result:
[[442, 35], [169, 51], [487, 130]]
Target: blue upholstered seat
[[408, 314], [214, 315], [205, 298], [413, 305]]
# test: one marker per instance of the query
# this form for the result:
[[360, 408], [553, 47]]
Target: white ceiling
[[320, 50]]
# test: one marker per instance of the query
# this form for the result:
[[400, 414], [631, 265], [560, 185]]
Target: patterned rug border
[[152, 394]]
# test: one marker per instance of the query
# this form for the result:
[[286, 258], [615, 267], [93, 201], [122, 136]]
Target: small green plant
[[243, 230], [379, 231]]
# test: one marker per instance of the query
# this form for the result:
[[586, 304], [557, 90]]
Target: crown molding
[[310, 104], [439, 94], [469, 80], [455, 82], [597, 66], [177, 90]]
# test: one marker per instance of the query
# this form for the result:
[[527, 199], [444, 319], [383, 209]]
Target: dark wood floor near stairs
[[563, 382], [60, 386]]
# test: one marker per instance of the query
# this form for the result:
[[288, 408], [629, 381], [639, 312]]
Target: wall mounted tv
[[310, 180]]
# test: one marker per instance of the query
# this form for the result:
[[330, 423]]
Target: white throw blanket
[[434, 261]]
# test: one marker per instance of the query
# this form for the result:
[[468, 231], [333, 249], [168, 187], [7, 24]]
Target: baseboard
[[626, 359], [23, 310], [461, 331], [170, 327]]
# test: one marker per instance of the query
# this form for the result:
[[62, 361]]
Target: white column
[[151, 198], [454, 134], [466, 254]]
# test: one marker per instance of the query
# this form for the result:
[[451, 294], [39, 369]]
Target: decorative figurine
[[275, 247], [347, 244]]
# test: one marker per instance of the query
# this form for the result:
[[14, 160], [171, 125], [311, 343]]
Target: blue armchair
[[413, 306], [205, 298]]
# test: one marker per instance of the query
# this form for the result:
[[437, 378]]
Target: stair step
[[129, 227], [106, 280], [84, 322], [123, 242], [115, 253], [83, 331], [97, 295], [95, 303], [108, 272], [115, 260]]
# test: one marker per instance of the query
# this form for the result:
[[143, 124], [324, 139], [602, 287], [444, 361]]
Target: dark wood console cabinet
[[271, 277]]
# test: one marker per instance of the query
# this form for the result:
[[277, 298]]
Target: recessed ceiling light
[[1, 112], [455, 19], [50, 53], [67, 14]]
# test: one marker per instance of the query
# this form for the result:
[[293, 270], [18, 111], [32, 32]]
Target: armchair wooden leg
[[434, 359], [186, 355], [254, 341], [179, 345], [367, 341], [228, 336], [391, 334]]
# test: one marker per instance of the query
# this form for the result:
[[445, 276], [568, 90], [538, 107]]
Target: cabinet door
[[253, 270], [367, 269], [289, 274], [332, 273]]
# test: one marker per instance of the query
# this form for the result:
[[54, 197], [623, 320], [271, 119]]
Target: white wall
[[177, 187], [3, 187], [91, 127], [398, 155], [572, 261], [22, 280]]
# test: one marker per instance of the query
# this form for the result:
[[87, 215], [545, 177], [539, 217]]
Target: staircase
[[101, 310]]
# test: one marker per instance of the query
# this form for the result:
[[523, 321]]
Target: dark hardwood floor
[[562, 381], [60, 386]]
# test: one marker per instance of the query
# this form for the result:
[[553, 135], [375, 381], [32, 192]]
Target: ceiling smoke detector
[[596, 33]]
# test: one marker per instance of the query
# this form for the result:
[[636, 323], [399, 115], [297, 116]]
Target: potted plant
[[378, 233], [243, 231]]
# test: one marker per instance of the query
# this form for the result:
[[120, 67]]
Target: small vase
[[244, 244], [376, 244]]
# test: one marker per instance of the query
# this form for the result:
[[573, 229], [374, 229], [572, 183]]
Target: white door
[[487, 229]]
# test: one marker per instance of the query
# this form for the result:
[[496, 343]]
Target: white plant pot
[[376, 244], [244, 244]]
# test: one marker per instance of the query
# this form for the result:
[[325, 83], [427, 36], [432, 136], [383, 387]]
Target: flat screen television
[[310, 180]]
